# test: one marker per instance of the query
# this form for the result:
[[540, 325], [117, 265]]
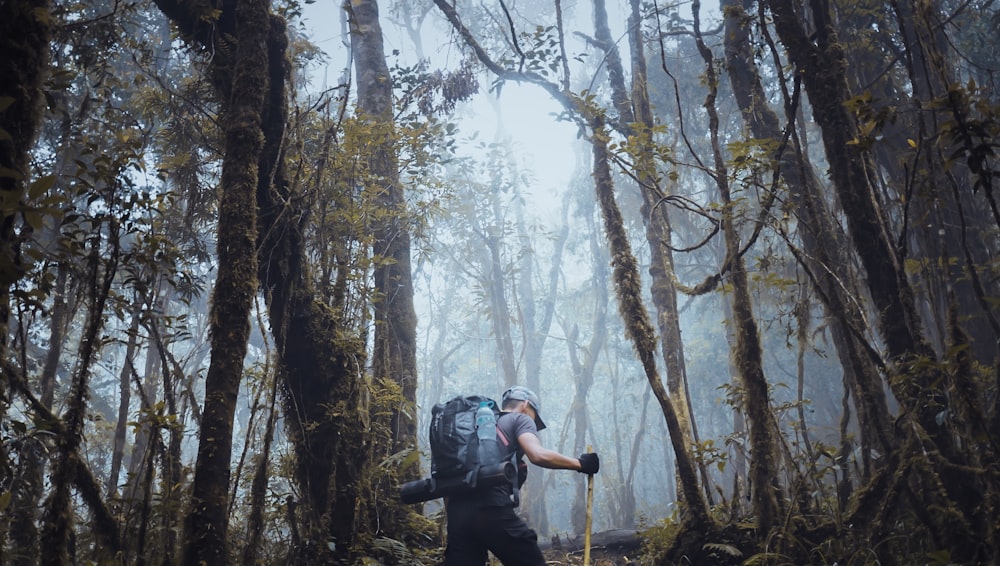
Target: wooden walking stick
[[590, 509]]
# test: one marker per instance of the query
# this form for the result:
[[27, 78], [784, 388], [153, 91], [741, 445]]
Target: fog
[[515, 144]]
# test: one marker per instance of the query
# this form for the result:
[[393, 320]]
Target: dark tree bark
[[125, 397], [829, 265], [321, 356], [58, 513], [822, 64], [765, 489], [25, 28], [394, 350], [239, 73], [920, 387], [628, 290]]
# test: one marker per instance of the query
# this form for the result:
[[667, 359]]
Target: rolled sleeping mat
[[426, 489]]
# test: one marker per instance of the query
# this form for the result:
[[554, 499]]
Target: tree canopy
[[233, 283]]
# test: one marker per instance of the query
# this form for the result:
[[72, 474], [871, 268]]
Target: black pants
[[472, 530]]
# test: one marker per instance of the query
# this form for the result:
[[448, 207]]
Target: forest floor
[[617, 547], [598, 557]]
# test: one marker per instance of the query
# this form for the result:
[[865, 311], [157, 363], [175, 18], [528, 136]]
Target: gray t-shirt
[[512, 426]]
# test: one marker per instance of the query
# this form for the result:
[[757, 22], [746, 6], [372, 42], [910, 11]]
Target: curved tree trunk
[[635, 117], [638, 327], [821, 64], [916, 379], [57, 517]]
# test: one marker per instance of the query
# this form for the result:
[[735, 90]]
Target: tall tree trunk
[[25, 500], [239, 73], [919, 386], [821, 64], [628, 290], [534, 335], [321, 357], [394, 350], [57, 517], [766, 492], [493, 281], [125, 398], [25, 27], [658, 235], [828, 265], [635, 119]]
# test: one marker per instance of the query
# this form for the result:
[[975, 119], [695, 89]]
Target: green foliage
[[658, 539], [872, 117], [537, 52], [708, 454], [971, 128]]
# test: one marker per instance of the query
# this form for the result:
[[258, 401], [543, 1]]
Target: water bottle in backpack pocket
[[465, 454], [486, 434]]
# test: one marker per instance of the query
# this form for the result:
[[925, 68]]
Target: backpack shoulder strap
[[514, 460]]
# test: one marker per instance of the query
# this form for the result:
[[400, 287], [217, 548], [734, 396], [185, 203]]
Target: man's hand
[[589, 463]]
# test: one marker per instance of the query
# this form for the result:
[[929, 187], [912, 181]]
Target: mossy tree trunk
[[25, 28], [635, 120], [828, 265], [659, 233], [320, 355], [394, 362], [628, 289], [394, 348], [822, 65], [206, 525], [914, 373], [238, 40], [765, 488]]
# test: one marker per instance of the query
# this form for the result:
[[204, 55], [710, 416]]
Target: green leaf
[[727, 549], [5, 102], [40, 185], [34, 219], [5, 498], [9, 173]]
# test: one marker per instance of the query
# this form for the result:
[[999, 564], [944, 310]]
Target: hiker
[[485, 520]]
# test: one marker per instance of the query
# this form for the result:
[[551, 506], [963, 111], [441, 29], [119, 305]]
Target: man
[[485, 520]]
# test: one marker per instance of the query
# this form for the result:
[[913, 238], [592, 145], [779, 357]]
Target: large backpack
[[455, 463], [453, 439]]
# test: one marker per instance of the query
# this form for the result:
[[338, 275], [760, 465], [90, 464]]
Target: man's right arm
[[543, 457]]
